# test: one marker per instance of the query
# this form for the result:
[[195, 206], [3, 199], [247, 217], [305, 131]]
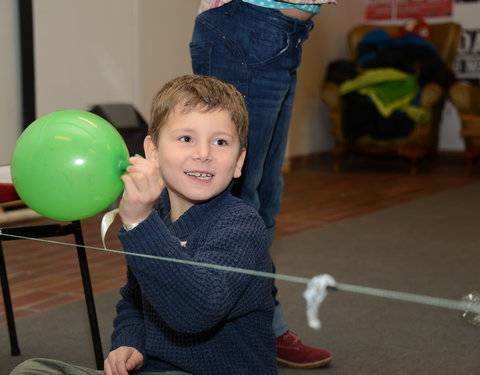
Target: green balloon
[[67, 165]]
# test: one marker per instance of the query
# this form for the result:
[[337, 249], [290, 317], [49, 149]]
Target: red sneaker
[[292, 353]]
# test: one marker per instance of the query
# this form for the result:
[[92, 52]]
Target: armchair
[[466, 99], [422, 139]]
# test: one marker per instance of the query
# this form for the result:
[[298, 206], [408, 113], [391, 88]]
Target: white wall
[[10, 107], [164, 33], [89, 52], [109, 51], [84, 53]]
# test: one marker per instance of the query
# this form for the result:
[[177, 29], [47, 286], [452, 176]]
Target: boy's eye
[[185, 138], [221, 142]]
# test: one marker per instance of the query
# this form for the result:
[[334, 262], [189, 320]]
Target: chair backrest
[[128, 121], [445, 36], [120, 115]]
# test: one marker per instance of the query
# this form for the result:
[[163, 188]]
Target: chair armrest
[[331, 97], [466, 98], [431, 94]]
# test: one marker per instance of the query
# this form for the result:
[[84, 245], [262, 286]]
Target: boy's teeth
[[199, 175]]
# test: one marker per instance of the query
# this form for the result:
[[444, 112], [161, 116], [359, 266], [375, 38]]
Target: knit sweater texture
[[194, 318]]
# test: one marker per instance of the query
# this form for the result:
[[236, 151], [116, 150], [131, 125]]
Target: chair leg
[[7, 302], [55, 230], [338, 154], [470, 156], [413, 154], [89, 299], [468, 166], [413, 166]]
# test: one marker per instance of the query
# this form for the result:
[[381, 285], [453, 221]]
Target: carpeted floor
[[429, 247]]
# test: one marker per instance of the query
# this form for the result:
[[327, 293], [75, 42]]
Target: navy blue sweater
[[192, 318]]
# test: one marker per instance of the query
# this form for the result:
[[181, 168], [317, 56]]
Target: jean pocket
[[201, 55], [265, 47]]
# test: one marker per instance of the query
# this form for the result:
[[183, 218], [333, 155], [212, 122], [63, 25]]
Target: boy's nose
[[202, 152]]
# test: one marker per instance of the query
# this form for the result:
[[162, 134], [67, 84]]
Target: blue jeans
[[258, 51]]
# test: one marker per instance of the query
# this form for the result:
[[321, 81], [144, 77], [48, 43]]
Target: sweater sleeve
[[129, 328], [192, 298]]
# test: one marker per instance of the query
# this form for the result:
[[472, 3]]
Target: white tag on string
[[314, 295]]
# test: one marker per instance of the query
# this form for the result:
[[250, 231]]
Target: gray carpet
[[430, 247]]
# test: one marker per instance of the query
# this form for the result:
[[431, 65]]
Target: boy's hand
[[122, 360], [143, 185]]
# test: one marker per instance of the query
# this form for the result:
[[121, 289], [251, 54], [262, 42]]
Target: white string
[[383, 293], [294, 279]]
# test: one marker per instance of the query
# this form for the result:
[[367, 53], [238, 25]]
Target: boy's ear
[[151, 151], [240, 161]]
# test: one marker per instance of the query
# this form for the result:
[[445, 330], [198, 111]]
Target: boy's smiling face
[[198, 155]]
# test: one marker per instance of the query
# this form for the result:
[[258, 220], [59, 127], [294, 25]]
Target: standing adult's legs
[[258, 50]]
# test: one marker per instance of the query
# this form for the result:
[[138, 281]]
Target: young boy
[[177, 204]]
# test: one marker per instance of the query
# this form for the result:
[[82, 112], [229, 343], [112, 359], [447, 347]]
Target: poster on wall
[[405, 9], [424, 8], [466, 68], [467, 62], [379, 9]]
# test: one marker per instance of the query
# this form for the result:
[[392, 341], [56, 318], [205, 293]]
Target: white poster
[[467, 63], [466, 68]]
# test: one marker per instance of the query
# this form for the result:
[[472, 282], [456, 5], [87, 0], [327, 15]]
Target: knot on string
[[314, 295]]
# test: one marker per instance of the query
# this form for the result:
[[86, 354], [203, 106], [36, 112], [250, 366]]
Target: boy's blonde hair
[[198, 93]]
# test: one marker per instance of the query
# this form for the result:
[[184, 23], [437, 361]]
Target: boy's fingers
[[149, 171], [130, 187], [121, 362], [106, 368], [143, 185], [139, 161], [113, 366], [135, 361], [139, 180]]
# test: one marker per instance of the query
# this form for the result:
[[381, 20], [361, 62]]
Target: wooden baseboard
[[324, 158], [307, 161]]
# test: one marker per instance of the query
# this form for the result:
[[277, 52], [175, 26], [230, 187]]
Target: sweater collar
[[195, 216]]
